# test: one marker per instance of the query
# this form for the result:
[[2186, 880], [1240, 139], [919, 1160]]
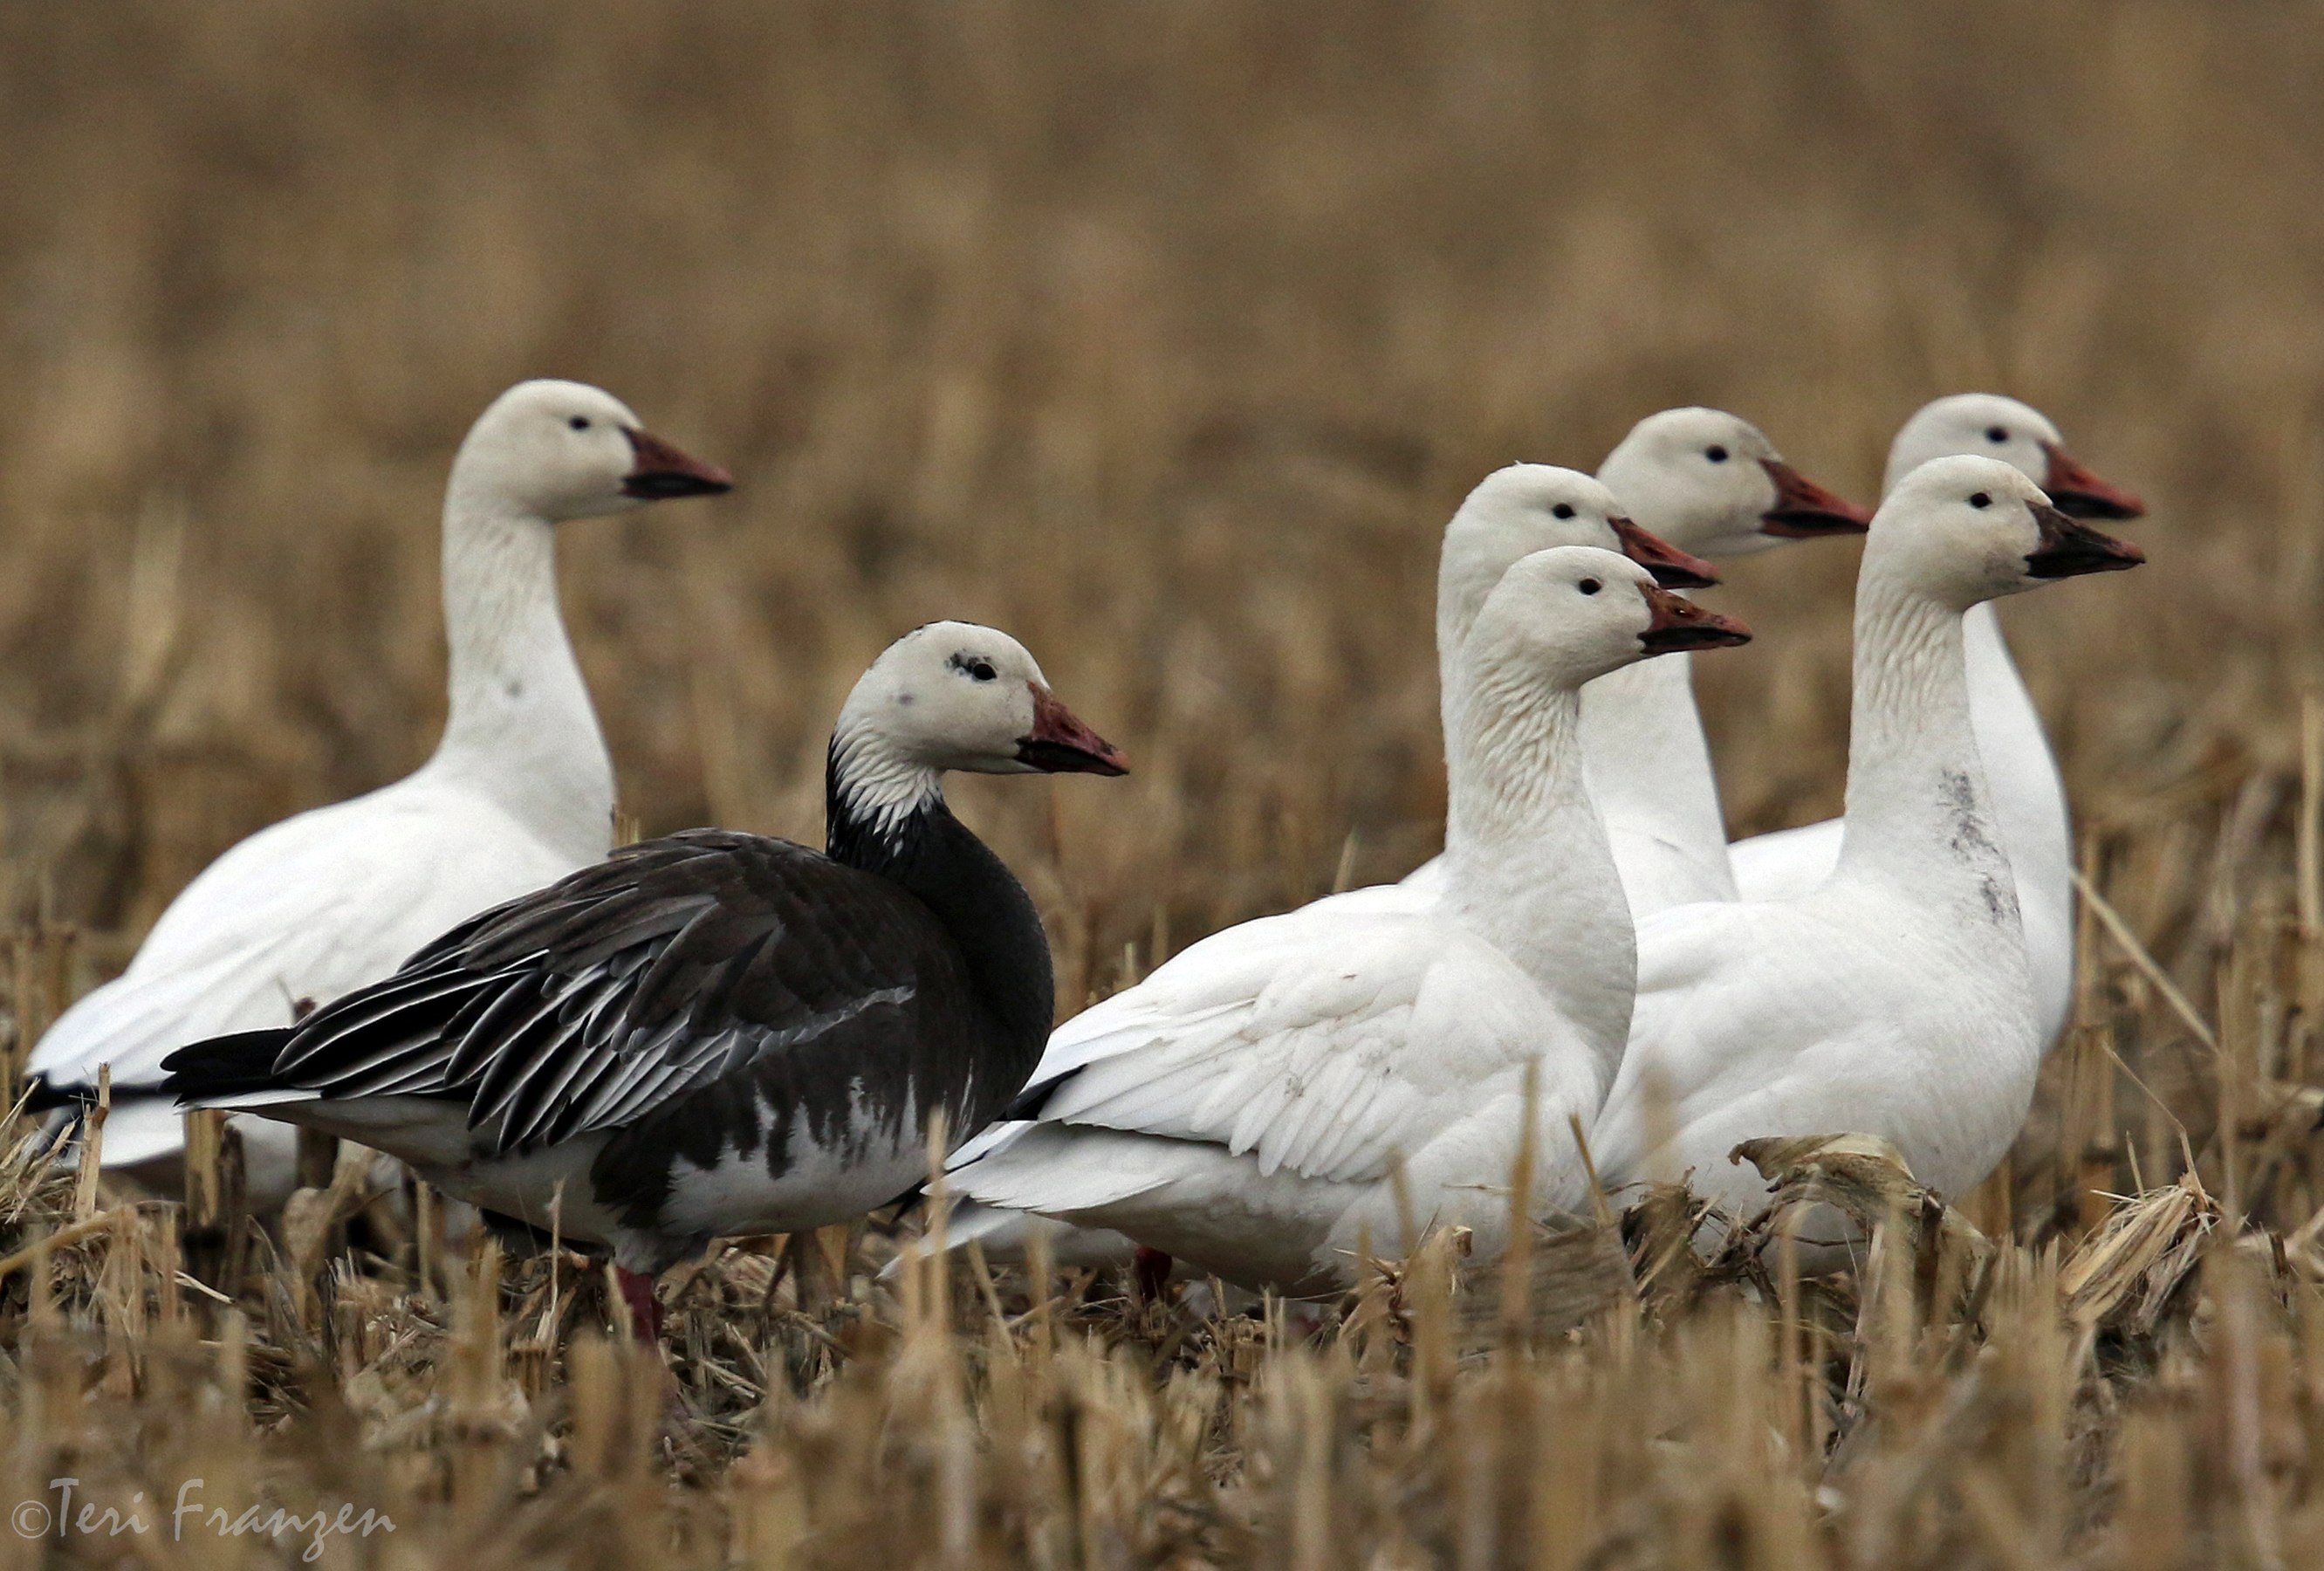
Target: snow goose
[[520, 791], [1245, 1107], [2029, 798], [1895, 998], [1708, 484], [1511, 513], [715, 1033]]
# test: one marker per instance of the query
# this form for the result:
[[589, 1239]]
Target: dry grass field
[[1167, 336]]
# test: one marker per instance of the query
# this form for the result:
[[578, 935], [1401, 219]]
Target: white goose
[[1895, 998], [1708, 484], [1512, 513], [2029, 798], [518, 792], [1247, 1106]]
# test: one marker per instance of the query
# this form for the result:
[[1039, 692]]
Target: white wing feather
[[1322, 1042], [1751, 1019], [1786, 863], [306, 910]]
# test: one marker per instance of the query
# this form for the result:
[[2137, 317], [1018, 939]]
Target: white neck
[[1454, 618], [1650, 774], [1647, 762], [1919, 816], [1530, 871], [2028, 797], [520, 728], [878, 786]]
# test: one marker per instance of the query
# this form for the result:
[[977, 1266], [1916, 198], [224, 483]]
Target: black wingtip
[[224, 1065], [43, 1095]]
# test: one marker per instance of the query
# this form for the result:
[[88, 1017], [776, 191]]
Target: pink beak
[[665, 471], [1804, 509], [1059, 743], [2081, 493], [2069, 548], [1680, 623], [1673, 568]]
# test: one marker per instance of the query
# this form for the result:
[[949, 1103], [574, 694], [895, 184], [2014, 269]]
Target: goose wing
[[1740, 1029], [1320, 1044], [1786, 863], [294, 916], [675, 964]]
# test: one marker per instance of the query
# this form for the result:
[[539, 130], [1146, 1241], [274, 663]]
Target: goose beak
[[1680, 623], [2079, 494], [1673, 568], [665, 471], [1059, 743], [2071, 547], [1804, 510]]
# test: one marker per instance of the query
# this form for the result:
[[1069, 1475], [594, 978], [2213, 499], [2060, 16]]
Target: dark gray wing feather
[[588, 1004]]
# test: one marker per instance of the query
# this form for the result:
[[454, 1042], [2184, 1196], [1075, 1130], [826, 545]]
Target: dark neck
[[986, 911]]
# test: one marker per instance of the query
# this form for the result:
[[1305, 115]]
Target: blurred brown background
[[1166, 336]]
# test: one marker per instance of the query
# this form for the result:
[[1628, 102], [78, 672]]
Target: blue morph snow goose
[[520, 791], [717, 1032]]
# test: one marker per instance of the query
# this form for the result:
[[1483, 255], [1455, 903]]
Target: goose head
[[1570, 614], [1711, 483], [1525, 508], [1963, 530], [956, 696], [2019, 434], [561, 451]]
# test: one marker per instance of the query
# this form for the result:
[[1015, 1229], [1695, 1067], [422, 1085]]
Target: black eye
[[1590, 586], [1715, 453], [1996, 434], [579, 422], [1563, 509], [982, 670], [1979, 499]]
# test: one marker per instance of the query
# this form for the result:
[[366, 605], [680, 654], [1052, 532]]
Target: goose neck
[[885, 813], [1513, 765], [520, 724], [1456, 613], [1919, 809], [2029, 798], [872, 792], [1648, 764], [1531, 871]]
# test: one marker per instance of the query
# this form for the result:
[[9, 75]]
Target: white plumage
[[518, 792], [2029, 796], [1894, 999], [1512, 513], [1247, 1106], [1708, 484]]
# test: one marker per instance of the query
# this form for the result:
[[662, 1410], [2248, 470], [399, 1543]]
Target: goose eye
[[1563, 509], [982, 670], [1996, 434], [579, 422], [1715, 453], [1979, 499], [1590, 586]]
